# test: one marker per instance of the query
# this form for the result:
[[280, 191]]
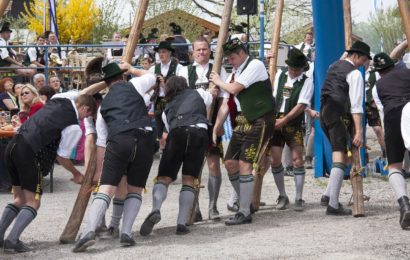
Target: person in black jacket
[[29, 155]]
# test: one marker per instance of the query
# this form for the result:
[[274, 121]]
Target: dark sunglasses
[[25, 93]]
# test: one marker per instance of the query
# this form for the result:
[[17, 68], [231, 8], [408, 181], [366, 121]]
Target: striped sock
[[117, 209], [299, 176], [234, 179], [279, 177], [9, 214], [97, 211], [132, 206], [246, 193], [23, 219]]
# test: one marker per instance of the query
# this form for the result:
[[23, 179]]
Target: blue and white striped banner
[[53, 17], [227, 129]]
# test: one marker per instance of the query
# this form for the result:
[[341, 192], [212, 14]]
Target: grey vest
[[185, 109]]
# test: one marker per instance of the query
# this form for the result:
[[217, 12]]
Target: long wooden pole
[[135, 31], [275, 40], [262, 160], [222, 37], [405, 18], [3, 6], [347, 17], [356, 173]]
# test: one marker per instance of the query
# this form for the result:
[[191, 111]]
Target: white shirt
[[201, 72], [378, 103], [306, 92], [366, 77], [255, 71], [32, 53], [164, 72], [4, 53], [355, 81], [143, 84], [206, 96], [405, 125]]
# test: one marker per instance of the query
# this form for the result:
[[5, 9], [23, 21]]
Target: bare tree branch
[[206, 10]]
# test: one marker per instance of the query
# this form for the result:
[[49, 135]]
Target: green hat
[[382, 61], [361, 47], [296, 59], [164, 45], [111, 70], [232, 45]]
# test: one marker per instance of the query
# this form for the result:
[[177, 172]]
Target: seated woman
[[8, 100], [30, 102]]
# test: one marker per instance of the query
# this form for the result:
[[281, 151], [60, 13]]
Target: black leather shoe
[[149, 223], [404, 212], [182, 230], [239, 219], [324, 200], [85, 242], [127, 240], [339, 211], [18, 247], [234, 207]]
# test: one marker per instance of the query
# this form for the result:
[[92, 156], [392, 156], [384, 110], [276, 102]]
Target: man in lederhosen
[[164, 70], [198, 77], [393, 89], [187, 141], [293, 91], [29, 155], [129, 151], [341, 113], [249, 82]]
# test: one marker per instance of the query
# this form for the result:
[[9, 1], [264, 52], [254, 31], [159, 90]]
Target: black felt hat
[[233, 45], [296, 59], [164, 45], [361, 47], [5, 27], [382, 61], [111, 70]]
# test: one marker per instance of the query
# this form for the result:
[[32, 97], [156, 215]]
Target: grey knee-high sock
[[299, 181], [186, 200], [117, 209], [398, 183], [246, 192], [234, 179], [132, 206], [327, 191], [9, 214], [234, 197], [214, 185], [23, 219], [310, 145], [279, 177], [336, 179], [97, 211], [159, 194], [101, 223]]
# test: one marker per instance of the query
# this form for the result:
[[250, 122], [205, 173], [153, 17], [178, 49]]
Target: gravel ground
[[272, 235]]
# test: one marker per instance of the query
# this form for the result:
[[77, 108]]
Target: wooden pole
[[135, 31], [3, 6], [347, 17], [275, 40], [77, 214], [356, 173], [405, 18], [262, 160], [222, 37]]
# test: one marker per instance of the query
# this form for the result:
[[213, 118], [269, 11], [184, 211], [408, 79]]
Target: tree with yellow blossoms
[[76, 19]]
